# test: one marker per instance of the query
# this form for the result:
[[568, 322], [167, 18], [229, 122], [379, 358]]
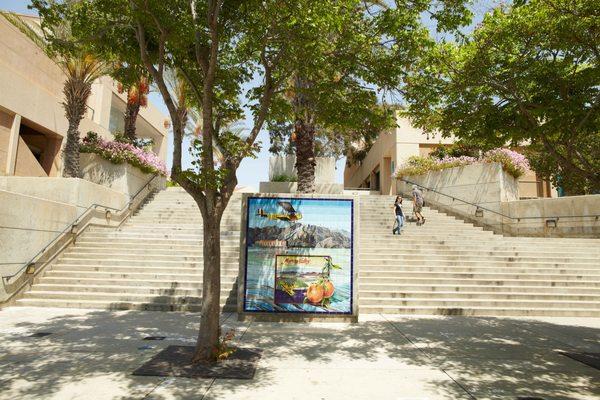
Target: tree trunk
[[210, 328], [76, 94], [305, 156], [130, 117], [304, 128]]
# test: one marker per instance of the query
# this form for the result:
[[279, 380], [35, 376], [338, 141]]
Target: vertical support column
[[13, 144]]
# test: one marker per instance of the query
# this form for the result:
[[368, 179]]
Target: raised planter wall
[[487, 185], [120, 177], [292, 187], [324, 170]]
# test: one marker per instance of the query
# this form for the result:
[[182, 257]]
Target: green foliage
[[350, 54], [529, 75], [457, 149], [416, 165], [284, 178]]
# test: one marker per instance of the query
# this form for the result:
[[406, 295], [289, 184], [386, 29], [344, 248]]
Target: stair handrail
[[69, 227], [479, 207]]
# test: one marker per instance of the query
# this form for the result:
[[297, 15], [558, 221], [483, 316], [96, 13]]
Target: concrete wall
[[567, 212], [487, 186], [123, 178], [33, 211], [484, 184], [324, 170], [292, 187], [77, 192], [26, 225]]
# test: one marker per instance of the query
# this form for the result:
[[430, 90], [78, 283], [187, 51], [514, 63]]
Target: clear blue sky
[[251, 171]]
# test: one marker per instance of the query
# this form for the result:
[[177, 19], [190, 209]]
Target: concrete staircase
[[153, 262], [451, 267]]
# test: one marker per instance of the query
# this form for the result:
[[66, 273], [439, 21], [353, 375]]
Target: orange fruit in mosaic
[[328, 289], [314, 293]]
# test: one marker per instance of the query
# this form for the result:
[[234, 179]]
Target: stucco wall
[[27, 223], [324, 170], [486, 185], [73, 191], [566, 216], [120, 177], [292, 187]]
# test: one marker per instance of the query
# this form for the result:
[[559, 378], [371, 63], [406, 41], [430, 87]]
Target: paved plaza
[[91, 354]]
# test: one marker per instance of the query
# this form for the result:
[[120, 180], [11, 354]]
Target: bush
[[284, 178], [516, 164], [512, 162], [118, 153]]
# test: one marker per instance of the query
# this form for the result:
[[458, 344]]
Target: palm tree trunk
[[76, 94], [304, 128], [130, 117], [305, 155]]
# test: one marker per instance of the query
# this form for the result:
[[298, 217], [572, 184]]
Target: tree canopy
[[529, 75]]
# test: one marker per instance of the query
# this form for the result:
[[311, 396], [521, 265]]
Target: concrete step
[[490, 288], [376, 271], [482, 295], [430, 258], [195, 283], [140, 263], [502, 265], [480, 250], [481, 311], [124, 297], [468, 303], [122, 289], [109, 305], [140, 276], [195, 256], [225, 271], [392, 283], [148, 248], [504, 275]]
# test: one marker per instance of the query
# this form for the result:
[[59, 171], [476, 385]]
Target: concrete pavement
[[91, 354]]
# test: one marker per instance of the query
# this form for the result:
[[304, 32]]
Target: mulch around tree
[[174, 361], [590, 359]]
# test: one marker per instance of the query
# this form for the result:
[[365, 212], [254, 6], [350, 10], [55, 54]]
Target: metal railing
[[29, 267], [479, 209]]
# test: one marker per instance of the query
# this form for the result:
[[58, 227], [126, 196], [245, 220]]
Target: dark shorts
[[417, 207]]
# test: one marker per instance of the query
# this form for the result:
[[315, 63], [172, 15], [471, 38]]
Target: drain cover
[[590, 359], [40, 334], [155, 338]]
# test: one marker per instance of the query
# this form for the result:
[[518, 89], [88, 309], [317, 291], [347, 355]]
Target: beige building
[[32, 122], [393, 148]]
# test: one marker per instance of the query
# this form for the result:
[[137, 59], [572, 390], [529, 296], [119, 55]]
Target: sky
[[251, 171]]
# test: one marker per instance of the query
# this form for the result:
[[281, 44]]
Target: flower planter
[[121, 177]]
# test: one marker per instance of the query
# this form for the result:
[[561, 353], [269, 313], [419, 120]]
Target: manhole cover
[[40, 334], [590, 359]]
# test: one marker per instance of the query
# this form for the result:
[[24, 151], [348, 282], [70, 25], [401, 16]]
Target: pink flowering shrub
[[516, 164], [118, 153], [512, 162]]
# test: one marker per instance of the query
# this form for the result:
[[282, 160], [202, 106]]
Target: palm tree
[[81, 69], [137, 97]]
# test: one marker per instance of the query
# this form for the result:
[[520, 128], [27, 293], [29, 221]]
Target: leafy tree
[[528, 75], [355, 50], [216, 49], [81, 69]]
